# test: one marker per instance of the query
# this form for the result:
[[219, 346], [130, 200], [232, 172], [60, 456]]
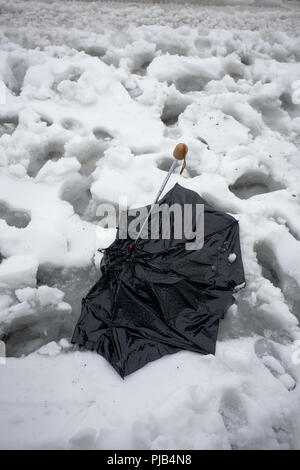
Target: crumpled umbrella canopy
[[158, 297]]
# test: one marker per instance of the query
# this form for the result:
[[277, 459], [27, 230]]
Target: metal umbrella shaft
[[174, 164]]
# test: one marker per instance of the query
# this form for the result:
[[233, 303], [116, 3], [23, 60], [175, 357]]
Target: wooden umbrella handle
[[179, 153]]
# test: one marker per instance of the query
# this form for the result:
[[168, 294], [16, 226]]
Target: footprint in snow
[[267, 353], [71, 124], [84, 439], [14, 217], [232, 411]]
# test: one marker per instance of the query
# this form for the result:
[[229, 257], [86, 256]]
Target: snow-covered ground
[[97, 96]]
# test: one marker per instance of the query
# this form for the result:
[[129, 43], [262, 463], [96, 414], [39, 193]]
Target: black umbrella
[[157, 297]]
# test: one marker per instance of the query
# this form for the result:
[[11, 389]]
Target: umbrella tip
[[180, 151]]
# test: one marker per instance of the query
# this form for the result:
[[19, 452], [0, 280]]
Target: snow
[[232, 257], [97, 94]]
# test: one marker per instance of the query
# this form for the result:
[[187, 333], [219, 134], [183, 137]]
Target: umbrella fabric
[[156, 297]]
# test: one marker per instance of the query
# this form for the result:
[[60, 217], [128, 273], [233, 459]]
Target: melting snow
[[97, 96]]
